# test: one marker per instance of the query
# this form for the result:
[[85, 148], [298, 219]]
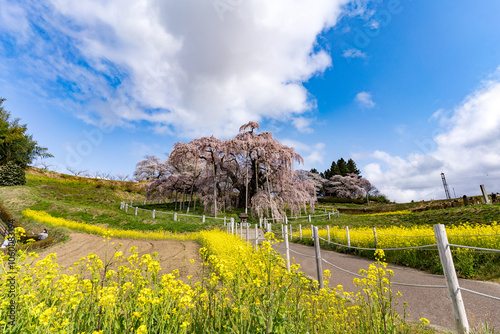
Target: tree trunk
[[246, 186], [194, 179]]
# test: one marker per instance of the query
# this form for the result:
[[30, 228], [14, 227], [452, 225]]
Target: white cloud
[[364, 99], [467, 150], [13, 19], [353, 53], [313, 154], [303, 124], [186, 66]]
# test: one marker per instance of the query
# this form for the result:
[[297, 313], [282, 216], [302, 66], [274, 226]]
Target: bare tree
[[76, 172], [122, 177], [43, 164]]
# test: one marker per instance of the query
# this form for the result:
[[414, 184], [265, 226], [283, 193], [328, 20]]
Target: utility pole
[[445, 185]]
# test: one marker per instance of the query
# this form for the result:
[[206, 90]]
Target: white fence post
[[203, 219], [337, 213], [248, 231], [329, 216], [135, 213], [260, 222], [328, 232], [131, 203], [457, 303], [375, 237], [287, 249], [291, 233], [126, 208], [319, 264], [154, 214], [269, 227], [309, 218], [347, 235], [300, 231], [256, 236], [175, 216], [144, 203]]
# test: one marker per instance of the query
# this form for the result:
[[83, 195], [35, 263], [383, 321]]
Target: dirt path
[[172, 254], [431, 303]]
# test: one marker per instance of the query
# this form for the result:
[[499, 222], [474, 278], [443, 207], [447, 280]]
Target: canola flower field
[[244, 290], [468, 263], [43, 217]]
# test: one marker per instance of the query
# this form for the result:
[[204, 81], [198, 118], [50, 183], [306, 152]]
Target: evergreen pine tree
[[342, 167], [352, 168]]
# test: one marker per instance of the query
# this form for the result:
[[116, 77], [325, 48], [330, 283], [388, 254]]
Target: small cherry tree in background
[[349, 186], [252, 170]]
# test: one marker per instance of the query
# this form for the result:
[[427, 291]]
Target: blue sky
[[408, 89]]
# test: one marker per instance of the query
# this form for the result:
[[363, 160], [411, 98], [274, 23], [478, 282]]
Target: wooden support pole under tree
[[319, 262], [287, 247], [457, 303]]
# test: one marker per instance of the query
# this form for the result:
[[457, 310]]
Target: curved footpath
[[431, 303]]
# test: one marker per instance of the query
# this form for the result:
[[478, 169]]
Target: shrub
[[12, 175]]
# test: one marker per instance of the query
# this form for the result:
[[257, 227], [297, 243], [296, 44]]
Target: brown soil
[[172, 254]]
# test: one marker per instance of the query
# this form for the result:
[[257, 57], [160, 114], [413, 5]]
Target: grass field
[[96, 202], [89, 204]]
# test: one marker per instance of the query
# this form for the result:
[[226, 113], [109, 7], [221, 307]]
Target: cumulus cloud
[[189, 66], [364, 99], [466, 149]]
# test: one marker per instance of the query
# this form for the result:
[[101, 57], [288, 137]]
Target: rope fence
[[442, 246]]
